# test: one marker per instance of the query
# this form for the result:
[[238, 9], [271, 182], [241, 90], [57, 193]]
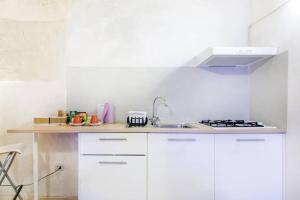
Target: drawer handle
[[182, 140], [113, 139], [112, 162], [250, 140]]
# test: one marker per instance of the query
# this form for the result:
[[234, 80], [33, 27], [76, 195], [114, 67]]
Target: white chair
[[11, 151]]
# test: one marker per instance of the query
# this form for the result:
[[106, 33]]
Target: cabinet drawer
[[113, 143], [112, 177]]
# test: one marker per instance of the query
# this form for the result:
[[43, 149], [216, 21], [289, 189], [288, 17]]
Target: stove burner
[[231, 123]]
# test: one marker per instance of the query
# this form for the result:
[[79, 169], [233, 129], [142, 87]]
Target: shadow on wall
[[59, 149], [55, 149], [269, 91]]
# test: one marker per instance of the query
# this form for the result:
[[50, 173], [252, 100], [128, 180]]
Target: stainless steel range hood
[[233, 56]]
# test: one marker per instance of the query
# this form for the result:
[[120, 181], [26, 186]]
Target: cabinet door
[[180, 167], [249, 167], [112, 178]]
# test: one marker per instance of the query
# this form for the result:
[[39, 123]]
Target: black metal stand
[[137, 121], [18, 192]]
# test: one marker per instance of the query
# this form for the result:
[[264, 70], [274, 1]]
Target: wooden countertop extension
[[121, 128]]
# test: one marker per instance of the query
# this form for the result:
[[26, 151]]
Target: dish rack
[[137, 119]]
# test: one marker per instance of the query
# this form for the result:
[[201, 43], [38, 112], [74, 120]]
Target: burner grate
[[231, 123]]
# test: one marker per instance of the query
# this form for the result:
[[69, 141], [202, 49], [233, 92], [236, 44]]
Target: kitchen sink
[[173, 126]]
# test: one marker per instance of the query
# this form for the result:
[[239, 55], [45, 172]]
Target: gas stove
[[231, 123]]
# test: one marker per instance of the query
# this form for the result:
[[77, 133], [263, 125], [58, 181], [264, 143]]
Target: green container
[[72, 115]]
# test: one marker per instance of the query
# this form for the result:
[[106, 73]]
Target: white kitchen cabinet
[[249, 167], [180, 166], [112, 168], [112, 178]]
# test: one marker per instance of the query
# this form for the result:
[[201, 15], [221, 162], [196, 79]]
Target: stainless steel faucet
[[155, 118]]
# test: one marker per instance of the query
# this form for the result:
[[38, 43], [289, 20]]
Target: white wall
[[32, 83], [261, 8], [282, 29], [152, 33], [121, 34], [113, 45], [192, 93]]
